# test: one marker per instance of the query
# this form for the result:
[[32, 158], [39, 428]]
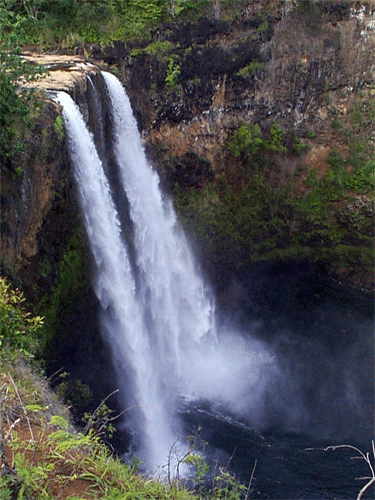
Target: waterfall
[[115, 286], [157, 313], [175, 365], [152, 318], [178, 307]]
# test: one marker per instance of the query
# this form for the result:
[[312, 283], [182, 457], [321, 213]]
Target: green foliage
[[75, 394], [263, 27], [311, 134], [199, 464], [59, 126], [354, 173], [250, 69], [75, 22], [228, 487], [299, 146], [101, 421], [152, 10], [189, 9], [277, 139], [354, 166], [18, 329], [47, 23], [173, 74], [16, 105], [49, 459], [248, 141], [159, 48], [7, 487], [14, 22], [259, 211]]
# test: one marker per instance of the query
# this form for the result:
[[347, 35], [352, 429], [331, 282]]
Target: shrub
[[246, 141], [173, 74], [18, 329], [250, 69]]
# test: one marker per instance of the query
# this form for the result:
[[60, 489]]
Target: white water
[[177, 307], [115, 286], [160, 321]]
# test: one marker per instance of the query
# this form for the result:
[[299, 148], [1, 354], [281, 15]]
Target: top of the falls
[[65, 72]]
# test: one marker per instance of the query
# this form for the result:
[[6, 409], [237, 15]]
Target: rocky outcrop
[[296, 66], [43, 246]]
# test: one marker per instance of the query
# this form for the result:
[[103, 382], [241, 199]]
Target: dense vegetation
[[18, 106], [71, 22]]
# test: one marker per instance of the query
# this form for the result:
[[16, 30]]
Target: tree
[[15, 102]]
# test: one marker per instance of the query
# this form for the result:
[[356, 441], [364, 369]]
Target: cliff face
[[296, 66], [262, 129], [38, 204], [27, 197], [308, 71], [43, 245]]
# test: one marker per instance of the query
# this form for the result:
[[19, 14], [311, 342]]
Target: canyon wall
[[38, 199]]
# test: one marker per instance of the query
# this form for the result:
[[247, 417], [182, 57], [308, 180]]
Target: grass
[[46, 458], [42, 456]]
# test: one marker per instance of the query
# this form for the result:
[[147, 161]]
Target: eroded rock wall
[[309, 69]]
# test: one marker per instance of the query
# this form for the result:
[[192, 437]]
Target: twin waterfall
[[157, 313]]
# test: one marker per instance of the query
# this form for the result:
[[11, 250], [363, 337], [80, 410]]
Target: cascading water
[[115, 287], [179, 309], [177, 306], [159, 317]]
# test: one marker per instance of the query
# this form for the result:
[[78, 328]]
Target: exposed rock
[[38, 205], [65, 73], [304, 68], [27, 199], [308, 63]]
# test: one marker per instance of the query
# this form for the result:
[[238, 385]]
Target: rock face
[[310, 69], [43, 246], [271, 63], [38, 205]]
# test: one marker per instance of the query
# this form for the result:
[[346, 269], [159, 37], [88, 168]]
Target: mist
[[306, 368]]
